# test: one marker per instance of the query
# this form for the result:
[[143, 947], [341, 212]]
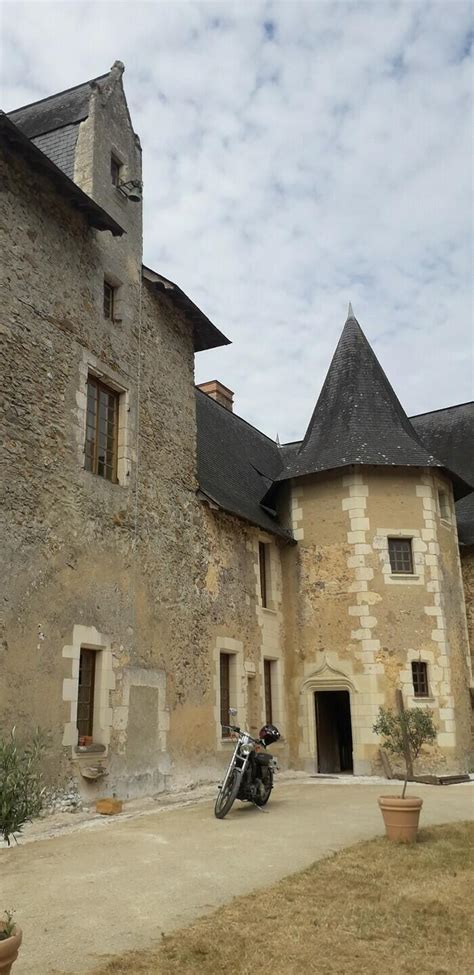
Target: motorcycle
[[249, 776]]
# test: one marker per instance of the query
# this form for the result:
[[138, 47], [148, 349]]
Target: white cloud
[[289, 169]]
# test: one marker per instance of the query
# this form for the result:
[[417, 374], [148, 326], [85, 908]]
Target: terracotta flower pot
[[9, 950], [401, 817]]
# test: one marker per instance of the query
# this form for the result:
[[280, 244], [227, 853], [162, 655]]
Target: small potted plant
[[10, 941], [403, 734]]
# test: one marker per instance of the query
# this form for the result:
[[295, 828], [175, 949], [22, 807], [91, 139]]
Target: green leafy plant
[[404, 733], [22, 789], [7, 928]]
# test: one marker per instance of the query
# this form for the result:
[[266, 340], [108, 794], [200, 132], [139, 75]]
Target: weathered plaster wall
[[352, 624], [234, 622]]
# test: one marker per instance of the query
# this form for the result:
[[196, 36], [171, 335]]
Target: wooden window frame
[[268, 667], [263, 574], [224, 692], [419, 672], [92, 461], [110, 296], [398, 564], [85, 726]]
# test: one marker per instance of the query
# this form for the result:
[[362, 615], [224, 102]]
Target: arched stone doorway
[[327, 704]]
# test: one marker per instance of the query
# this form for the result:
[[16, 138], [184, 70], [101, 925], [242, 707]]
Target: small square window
[[109, 300], [101, 429], [419, 671], [444, 506], [401, 559], [115, 168]]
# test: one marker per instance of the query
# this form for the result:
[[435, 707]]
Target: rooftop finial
[[278, 443], [350, 312]]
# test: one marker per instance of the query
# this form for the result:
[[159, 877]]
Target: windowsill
[[268, 609], [426, 697], [94, 749], [105, 480], [404, 575]]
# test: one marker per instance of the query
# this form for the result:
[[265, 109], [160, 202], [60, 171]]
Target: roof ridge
[[237, 417], [56, 94], [442, 409]]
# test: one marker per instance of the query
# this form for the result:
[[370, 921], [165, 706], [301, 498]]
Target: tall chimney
[[219, 392]]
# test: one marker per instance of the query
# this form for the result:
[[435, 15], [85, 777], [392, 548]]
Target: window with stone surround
[[101, 446], [265, 574], [400, 554], [115, 169], [268, 666], [109, 300], [419, 671], [85, 695], [444, 506], [225, 692]]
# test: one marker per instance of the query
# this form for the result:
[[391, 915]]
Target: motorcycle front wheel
[[263, 797], [227, 795]]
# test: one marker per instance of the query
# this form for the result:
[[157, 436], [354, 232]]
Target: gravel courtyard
[[106, 886]]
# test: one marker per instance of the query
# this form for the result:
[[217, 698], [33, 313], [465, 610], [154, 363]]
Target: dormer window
[[115, 170]]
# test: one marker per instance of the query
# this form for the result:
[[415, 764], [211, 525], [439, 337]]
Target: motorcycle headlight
[[246, 749]]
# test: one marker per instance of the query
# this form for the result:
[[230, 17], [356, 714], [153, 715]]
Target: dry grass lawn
[[375, 908]]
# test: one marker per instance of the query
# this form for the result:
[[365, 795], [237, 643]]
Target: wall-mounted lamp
[[133, 190]]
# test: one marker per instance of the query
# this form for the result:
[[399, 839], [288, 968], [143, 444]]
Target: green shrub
[[8, 926], [405, 732], [22, 790]]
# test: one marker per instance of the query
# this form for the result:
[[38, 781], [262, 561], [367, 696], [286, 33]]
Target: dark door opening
[[334, 731]]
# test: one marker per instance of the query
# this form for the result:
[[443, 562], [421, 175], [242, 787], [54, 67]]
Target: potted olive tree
[[10, 941], [403, 734]]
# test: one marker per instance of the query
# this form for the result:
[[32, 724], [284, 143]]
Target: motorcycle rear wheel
[[227, 795], [267, 780]]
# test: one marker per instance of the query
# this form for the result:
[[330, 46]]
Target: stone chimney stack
[[219, 392]]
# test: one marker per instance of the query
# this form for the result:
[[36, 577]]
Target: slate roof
[[205, 334], [358, 418], [450, 433], [236, 463], [55, 111], [53, 123], [15, 141]]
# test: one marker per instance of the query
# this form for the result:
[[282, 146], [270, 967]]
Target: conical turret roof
[[358, 419]]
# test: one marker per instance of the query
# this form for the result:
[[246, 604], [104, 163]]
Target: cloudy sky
[[297, 155]]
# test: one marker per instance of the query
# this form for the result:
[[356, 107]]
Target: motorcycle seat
[[263, 758]]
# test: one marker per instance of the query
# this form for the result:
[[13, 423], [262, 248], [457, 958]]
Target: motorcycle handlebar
[[229, 727]]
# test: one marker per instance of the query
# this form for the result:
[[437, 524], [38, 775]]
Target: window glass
[[225, 692], [109, 300], [85, 697], [419, 671], [399, 550], [101, 429], [262, 559], [267, 670]]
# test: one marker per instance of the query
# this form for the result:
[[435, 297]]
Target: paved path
[[117, 884]]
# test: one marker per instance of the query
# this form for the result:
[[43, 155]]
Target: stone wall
[[467, 567], [87, 562], [351, 624]]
